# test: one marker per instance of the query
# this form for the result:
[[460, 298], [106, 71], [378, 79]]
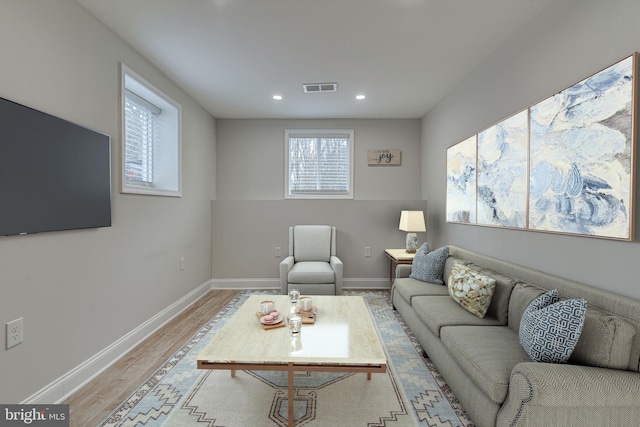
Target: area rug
[[411, 393]]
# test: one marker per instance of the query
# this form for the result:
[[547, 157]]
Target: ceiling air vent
[[320, 87]]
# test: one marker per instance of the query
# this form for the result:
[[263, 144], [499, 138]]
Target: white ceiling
[[231, 56]]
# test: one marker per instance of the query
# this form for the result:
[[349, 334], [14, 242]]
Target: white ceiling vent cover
[[320, 87]]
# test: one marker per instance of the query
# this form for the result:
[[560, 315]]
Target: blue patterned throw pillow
[[429, 266], [424, 249], [550, 327]]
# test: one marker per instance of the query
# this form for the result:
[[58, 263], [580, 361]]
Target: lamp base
[[412, 243]]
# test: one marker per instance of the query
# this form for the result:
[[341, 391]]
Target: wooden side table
[[397, 256]]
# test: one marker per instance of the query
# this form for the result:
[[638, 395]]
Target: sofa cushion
[[521, 297], [472, 290], [429, 266], [409, 288], [312, 243], [311, 272], [499, 307], [605, 341], [439, 311], [486, 355], [550, 328]]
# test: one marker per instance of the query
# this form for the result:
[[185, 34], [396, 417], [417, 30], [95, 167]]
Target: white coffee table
[[343, 339]]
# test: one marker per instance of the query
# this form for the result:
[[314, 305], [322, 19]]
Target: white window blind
[[319, 164], [151, 147], [141, 131]]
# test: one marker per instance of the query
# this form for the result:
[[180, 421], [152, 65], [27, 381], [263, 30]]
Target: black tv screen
[[54, 175]]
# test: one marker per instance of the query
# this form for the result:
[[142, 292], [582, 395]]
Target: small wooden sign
[[389, 157]]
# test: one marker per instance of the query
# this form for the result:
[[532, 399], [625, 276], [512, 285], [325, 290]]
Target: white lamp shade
[[412, 221]]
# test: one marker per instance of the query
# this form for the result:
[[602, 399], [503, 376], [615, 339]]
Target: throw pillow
[[550, 327], [429, 266], [472, 290], [424, 249]]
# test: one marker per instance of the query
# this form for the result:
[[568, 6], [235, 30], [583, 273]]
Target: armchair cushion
[[311, 272], [312, 243]]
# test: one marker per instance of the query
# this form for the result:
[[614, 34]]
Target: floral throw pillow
[[550, 327], [472, 290], [429, 266]]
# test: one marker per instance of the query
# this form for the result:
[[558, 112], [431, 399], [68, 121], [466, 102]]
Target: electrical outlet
[[14, 333], [277, 252], [181, 264], [367, 251]]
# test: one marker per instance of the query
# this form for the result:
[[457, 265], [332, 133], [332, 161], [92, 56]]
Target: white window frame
[[167, 169], [313, 133]]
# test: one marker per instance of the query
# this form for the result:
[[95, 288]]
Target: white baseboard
[[69, 383], [352, 283]]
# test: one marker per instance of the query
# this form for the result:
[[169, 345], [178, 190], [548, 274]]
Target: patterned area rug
[[411, 393]]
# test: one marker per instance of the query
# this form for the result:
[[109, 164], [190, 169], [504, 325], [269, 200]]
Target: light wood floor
[[95, 401]]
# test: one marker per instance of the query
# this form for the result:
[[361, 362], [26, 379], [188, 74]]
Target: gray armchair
[[312, 266]]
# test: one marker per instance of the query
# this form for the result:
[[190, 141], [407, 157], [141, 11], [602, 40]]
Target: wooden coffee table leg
[[290, 395]]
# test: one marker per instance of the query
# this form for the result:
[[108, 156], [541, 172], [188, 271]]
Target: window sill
[[318, 196], [148, 191]]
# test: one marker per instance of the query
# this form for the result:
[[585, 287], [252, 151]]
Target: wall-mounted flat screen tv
[[54, 175]]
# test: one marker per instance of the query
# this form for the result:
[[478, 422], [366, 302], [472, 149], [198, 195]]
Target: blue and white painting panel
[[503, 173], [461, 182], [581, 153]]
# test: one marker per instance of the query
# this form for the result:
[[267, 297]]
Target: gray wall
[[566, 43], [250, 216], [80, 291], [245, 233], [251, 157]]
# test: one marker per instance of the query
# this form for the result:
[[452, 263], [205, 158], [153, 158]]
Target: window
[[319, 164], [151, 139]]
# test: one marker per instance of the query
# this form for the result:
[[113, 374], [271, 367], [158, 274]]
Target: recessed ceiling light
[[277, 97], [360, 97]]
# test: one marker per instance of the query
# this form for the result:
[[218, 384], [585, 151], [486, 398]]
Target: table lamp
[[412, 222]]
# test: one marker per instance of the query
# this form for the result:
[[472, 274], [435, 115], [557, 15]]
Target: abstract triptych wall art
[[461, 181], [564, 165], [581, 156], [502, 173]]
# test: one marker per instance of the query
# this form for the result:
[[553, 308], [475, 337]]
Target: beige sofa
[[491, 374]]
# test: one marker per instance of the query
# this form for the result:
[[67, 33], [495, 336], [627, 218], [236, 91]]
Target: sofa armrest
[[285, 266], [561, 394], [338, 268], [403, 270]]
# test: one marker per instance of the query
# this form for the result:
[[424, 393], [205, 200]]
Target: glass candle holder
[[294, 322], [294, 296]]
